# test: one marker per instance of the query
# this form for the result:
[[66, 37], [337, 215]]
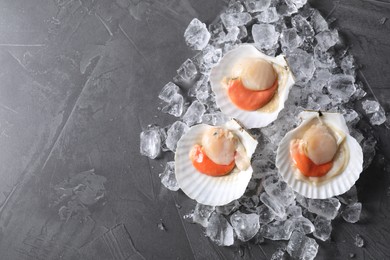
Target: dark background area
[[79, 81]]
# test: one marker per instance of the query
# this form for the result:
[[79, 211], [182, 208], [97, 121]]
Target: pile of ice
[[325, 80]]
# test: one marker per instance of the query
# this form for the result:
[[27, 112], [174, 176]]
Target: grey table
[[79, 82]]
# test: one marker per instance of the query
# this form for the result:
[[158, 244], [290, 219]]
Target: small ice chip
[[196, 35], [359, 242]]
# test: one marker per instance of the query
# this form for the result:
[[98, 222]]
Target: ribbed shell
[[208, 190], [250, 119], [336, 185]]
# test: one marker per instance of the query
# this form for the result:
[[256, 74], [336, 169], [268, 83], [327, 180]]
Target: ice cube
[[168, 91], [174, 134], [328, 208], [370, 106], [235, 19], [210, 57], [341, 87], [302, 224], [348, 65], [302, 65], [274, 205], [246, 226], [279, 190], [318, 22], [254, 6], [287, 8], [232, 35], [196, 35], [359, 242], [202, 214], [264, 35], [194, 113], [320, 79], [327, 39], [175, 105], [378, 117], [300, 3], [323, 59], [199, 86], [280, 254], [303, 201], [219, 230], [277, 230], [168, 178], [302, 247], [323, 228], [289, 39], [294, 211], [265, 214], [302, 26], [352, 212], [234, 7], [349, 197], [228, 208], [351, 116], [268, 16], [187, 70], [150, 143]]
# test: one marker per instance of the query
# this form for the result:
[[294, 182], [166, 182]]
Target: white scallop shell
[[209, 190], [250, 119], [335, 185]]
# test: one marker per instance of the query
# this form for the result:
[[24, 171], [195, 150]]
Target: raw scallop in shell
[[319, 159], [251, 86], [206, 188]]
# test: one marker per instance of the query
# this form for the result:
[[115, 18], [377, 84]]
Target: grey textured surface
[[79, 81]]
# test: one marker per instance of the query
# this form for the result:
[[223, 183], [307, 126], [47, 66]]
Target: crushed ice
[[325, 80]]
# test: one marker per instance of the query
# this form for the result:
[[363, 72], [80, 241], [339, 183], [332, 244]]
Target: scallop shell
[[333, 186], [208, 190], [266, 114]]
